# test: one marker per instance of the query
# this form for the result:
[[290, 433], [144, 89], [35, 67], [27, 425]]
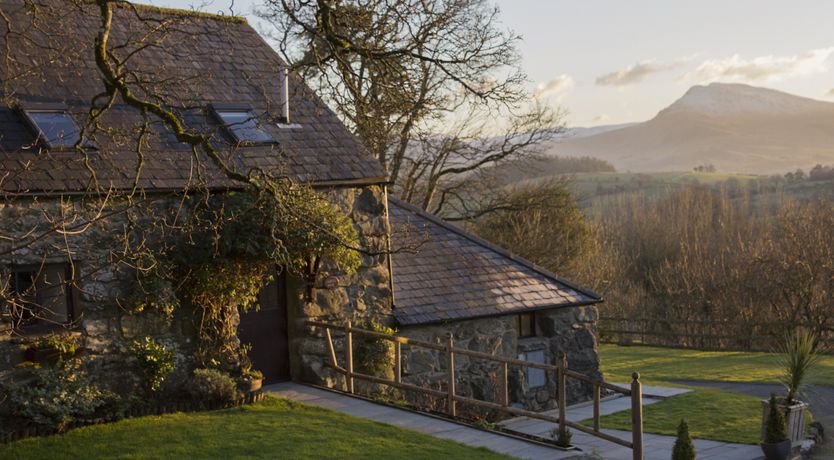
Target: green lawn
[[274, 428], [660, 364], [711, 413]]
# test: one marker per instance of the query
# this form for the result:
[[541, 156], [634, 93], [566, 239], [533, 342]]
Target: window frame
[[38, 325], [26, 112], [532, 318], [216, 109]]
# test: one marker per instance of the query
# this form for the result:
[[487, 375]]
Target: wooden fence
[[700, 334], [503, 405]]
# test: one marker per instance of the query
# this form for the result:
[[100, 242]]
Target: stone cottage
[[224, 80], [450, 281]]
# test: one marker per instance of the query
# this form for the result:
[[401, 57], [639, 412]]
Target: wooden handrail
[[561, 370]]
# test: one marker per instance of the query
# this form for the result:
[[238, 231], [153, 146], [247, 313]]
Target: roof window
[[243, 125], [54, 127]]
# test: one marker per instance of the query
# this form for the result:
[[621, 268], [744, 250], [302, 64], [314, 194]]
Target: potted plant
[[251, 380], [51, 349], [797, 358], [775, 445]]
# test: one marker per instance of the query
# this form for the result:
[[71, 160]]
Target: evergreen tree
[[683, 450], [776, 429]]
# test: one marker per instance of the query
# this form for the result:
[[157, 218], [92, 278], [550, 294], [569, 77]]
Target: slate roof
[[205, 60], [442, 273]]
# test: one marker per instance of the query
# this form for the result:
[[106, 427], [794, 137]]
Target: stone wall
[[103, 325], [569, 330], [106, 328], [362, 297]]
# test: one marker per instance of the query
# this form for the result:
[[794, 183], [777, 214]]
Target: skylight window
[[55, 128], [243, 125]]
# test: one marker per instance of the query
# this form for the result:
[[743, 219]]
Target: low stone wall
[[565, 330]]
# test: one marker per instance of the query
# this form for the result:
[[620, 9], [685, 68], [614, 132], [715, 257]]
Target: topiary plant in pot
[[775, 445], [797, 357]]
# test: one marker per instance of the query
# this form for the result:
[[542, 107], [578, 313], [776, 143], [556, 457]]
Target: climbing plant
[[230, 246]]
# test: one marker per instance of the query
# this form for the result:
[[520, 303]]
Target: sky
[[615, 61]]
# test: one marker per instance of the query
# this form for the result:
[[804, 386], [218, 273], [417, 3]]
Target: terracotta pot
[[777, 451], [250, 385]]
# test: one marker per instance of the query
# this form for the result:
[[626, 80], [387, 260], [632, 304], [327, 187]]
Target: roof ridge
[[182, 12], [493, 247]]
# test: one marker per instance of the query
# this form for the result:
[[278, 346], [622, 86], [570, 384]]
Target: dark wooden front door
[[265, 329]]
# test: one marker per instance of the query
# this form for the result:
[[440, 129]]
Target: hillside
[[737, 128]]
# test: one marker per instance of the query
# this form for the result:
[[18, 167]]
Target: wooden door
[[266, 330]]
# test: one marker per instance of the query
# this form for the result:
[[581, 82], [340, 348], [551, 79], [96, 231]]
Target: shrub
[[373, 354], [213, 385], [57, 396], [798, 358], [683, 450], [776, 429], [155, 361], [561, 438]]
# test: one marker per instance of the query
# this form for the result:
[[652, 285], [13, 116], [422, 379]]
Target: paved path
[[416, 422], [656, 447]]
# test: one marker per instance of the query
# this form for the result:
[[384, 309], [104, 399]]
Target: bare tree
[[425, 84]]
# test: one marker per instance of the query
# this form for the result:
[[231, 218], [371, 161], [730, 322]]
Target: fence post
[[505, 390], [450, 366], [349, 357], [637, 416], [563, 398], [398, 362], [596, 406]]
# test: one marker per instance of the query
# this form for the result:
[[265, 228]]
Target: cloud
[[558, 85], [636, 73], [601, 117], [761, 68]]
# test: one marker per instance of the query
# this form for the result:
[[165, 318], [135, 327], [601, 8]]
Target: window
[[535, 377], [38, 297], [526, 325], [243, 125], [54, 127]]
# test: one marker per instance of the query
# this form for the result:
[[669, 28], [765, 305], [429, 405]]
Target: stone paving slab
[[656, 447], [657, 391]]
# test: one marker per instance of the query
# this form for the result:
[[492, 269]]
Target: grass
[[274, 428], [662, 364], [711, 414], [714, 414]]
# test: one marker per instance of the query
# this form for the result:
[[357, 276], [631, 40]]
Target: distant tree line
[[817, 173], [752, 262], [714, 254], [546, 165]]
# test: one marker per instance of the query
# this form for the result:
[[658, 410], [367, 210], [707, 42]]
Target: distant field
[[601, 188], [659, 364]]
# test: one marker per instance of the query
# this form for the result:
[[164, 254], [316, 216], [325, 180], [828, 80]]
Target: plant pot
[[777, 451], [794, 418], [250, 385]]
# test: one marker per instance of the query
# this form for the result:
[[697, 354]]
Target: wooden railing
[[503, 405]]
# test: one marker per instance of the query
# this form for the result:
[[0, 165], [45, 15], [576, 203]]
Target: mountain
[[737, 128]]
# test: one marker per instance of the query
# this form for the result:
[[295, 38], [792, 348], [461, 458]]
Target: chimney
[[285, 97]]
